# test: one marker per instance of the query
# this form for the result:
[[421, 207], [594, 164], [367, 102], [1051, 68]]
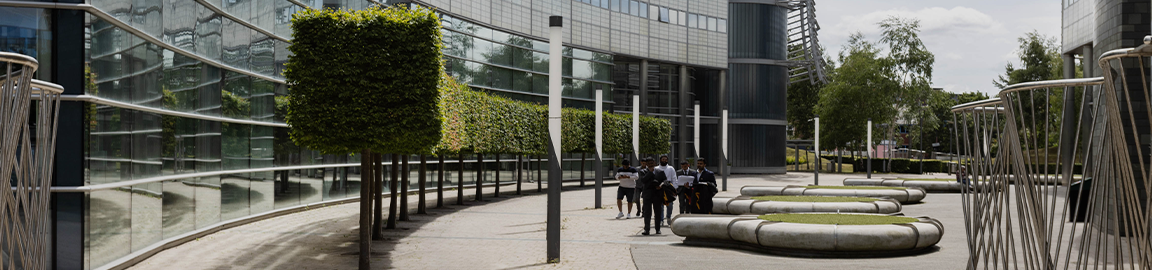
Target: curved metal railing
[[27, 146]]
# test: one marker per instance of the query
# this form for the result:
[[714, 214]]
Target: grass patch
[[813, 199], [838, 219], [855, 187]]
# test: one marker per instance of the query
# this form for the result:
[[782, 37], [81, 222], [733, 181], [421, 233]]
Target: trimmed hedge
[[481, 123], [365, 79]]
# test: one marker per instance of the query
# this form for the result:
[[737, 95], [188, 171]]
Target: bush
[[478, 122], [365, 79]]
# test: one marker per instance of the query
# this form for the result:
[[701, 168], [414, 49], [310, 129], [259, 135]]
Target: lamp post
[[555, 73], [817, 149], [868, 144], [724, 146], [599, 164]]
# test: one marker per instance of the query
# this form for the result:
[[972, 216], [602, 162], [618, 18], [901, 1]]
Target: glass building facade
[[758, 71], [173, 123]]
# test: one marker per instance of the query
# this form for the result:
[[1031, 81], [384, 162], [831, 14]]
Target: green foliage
[[655, 135], [838, 219], [862, 87], [235, 106], [1039, 59], [482, 123], [365, 79]]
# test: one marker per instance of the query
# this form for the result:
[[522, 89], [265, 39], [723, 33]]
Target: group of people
[[659, 188]]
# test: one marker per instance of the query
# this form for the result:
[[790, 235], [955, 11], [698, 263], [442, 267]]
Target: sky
[[973, 40]]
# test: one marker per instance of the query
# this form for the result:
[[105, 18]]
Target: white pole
[[724, 149], [599, 164], [636, 126], [555, 90], [817, 150], [696, 130], [868, 144]]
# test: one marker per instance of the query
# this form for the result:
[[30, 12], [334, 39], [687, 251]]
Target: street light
[[816, 142]]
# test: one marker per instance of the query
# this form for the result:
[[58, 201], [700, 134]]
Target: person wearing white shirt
[[671, 172], [627, 176]]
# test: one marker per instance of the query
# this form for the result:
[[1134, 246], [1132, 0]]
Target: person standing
[[684, 178], [670, 173], [653, 198], [627, 177], [704, 187], [639, 190]]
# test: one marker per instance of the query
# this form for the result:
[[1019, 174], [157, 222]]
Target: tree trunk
[[404, 173], [479, 177], [365, 210], [393, 187], [460, 181], [583, 159], [421, 206], [539, 179], [498, 168], [378, 197], [519, 173], [440, 183]]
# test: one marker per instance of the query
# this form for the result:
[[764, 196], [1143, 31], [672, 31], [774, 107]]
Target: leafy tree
[[870, 84], [1039, 60], [862, 87], [803, 96], [940, 105]]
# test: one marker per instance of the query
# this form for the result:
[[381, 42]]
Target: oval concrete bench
[[746, 205], [906, 195], [808, 240], [929, 186]]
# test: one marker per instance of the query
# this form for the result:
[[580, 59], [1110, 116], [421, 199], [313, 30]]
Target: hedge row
[[481, 123]]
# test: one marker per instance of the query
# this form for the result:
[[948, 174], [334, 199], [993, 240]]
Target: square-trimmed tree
[[366, 81]]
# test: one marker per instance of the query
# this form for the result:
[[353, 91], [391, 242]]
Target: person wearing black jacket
[[705, 187], [684, 188], [653, 197]]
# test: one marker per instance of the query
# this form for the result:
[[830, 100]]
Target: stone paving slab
[[508, 233]]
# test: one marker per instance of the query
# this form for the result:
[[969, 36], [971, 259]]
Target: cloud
[[934, 21]]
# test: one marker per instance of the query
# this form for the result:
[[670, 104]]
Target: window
[[635, 8], [692, 20], [654, 12], [723, 27], [624, 6], [643, 10], [711, 24], [672, 16], [663, 14], [682, 20], [616, 5]]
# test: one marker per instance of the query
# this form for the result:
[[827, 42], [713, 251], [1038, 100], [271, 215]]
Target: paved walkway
[[508, 233]]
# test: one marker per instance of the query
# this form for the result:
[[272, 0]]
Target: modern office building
[[173, 127], [1094, 27]]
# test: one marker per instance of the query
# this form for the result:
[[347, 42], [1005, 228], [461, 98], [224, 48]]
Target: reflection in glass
[[109, 225], [28, 31], [147, 201], [208, 199], [235, 43], [208, 33], [179, 207]]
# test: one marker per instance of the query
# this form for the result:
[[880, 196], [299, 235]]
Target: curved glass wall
[[761, 31], [497, 61], [758, 91]]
